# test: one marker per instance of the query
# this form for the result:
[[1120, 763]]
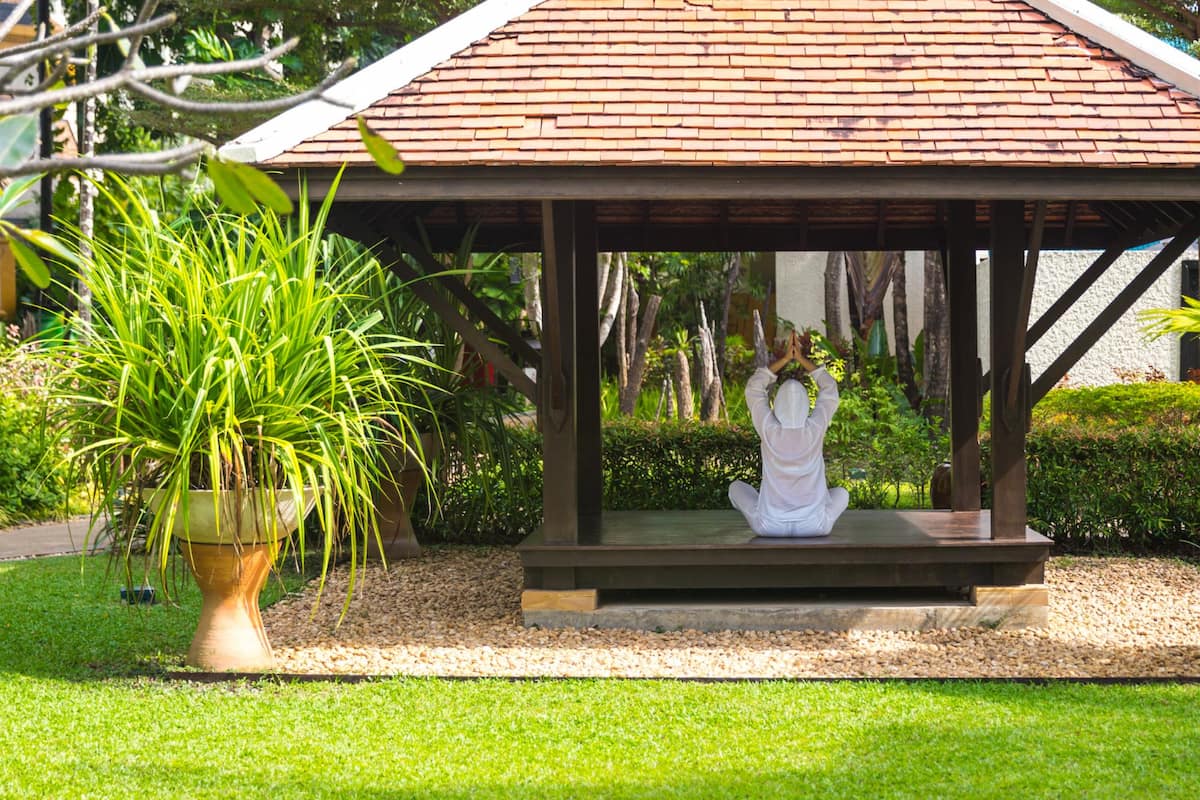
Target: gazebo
[[579, 126]]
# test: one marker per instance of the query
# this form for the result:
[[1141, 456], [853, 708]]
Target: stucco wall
[[1123, 346], [801, 300], [800, 282]]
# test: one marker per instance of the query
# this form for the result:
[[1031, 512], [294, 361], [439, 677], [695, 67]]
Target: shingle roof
[[769, 82]]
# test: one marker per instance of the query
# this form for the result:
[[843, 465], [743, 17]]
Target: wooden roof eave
[[365, 183]]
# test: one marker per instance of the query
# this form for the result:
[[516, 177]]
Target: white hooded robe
[[794, 499]]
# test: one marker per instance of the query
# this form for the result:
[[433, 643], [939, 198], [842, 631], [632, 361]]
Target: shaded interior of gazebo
[[581, 548], [574, 127]]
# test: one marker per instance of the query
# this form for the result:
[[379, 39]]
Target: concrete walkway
[[52, 539]]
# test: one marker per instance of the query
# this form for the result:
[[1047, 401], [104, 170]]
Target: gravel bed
[[455, 612]]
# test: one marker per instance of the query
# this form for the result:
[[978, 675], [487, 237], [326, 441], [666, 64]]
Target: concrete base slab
[[910, 614]]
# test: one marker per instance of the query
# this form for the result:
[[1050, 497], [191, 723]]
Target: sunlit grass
[[77, 720]]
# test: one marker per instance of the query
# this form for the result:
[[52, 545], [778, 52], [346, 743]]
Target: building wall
[[801, 300], [1123, 346]]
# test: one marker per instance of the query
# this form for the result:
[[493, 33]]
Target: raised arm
[[756, 396], [827, 397]]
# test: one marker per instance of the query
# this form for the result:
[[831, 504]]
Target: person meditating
[[794, 500]]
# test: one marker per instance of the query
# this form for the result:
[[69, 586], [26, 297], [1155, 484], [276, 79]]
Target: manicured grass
[[64, 732]]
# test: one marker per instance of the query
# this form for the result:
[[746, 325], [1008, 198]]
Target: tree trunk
[[531, 272], [612, 290], [683, 385], [937, 341], [87, 191], [639, 345], [904, 363], [733, 270], [711, 393], [762, 354], [834, 270]]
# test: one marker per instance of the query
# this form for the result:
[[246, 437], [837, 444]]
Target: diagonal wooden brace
[[432, 296], [1120, 304]]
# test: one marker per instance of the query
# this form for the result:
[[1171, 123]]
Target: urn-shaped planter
[[230, 546], [395, 497]]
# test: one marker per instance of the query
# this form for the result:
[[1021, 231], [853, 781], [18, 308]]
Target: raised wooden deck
[[717, 550]]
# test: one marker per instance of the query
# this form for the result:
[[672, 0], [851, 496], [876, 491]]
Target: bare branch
[[219, 107], [120, 80], [135, 42], [157, 163], [41, 48], [60, 69], [13, 18], [81, 42]]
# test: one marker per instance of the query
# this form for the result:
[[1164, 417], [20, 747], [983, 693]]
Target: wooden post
[[1008, 419], [962, 301], [587, 361], [560, 450]]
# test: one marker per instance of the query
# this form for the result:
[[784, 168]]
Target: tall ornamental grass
[[223, 355]]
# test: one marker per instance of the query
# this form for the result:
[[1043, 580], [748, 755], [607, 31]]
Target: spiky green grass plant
[[223, 356]]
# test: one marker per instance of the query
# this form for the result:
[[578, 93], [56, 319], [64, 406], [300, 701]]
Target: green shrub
[[1122, 405], [1095, 489], [33, 483]]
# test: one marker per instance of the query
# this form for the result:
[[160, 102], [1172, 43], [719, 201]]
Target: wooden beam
[[1077, 289], [511, 183], [787, 235], [560, 443], [961, 300], [587, 360], [1008, 420], [361, 231], [1028, 276], [479, 309], [1120, 304]]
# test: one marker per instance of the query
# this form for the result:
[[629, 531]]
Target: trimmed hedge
[[1136, 489], [647, 466], [1121, 405]]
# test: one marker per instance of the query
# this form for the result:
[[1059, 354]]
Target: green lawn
[[82, 715]]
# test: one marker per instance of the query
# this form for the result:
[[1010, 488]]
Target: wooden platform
[[717, 550]]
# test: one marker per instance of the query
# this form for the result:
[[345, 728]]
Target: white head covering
[[791, 404]]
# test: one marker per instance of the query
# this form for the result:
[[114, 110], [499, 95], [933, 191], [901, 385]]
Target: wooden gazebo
[[579, 126]]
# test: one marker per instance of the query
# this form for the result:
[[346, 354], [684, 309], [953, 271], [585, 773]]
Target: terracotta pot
[[394, 502], [231, 563]]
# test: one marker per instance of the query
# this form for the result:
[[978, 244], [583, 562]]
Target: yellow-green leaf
[[233, 193], [30, 262], [51, 244], [380, 149], [18, 140], [261, 187]]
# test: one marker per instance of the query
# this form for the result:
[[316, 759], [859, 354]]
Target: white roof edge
[[1126, 40], [355, 93]]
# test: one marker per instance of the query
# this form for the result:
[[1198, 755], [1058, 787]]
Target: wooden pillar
[[587, 362], [962, 303], [557, 383], [1008, 419]]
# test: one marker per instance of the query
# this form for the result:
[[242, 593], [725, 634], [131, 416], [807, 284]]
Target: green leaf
[[380, 149], [233, 193], [261, 187], [18, 140], [14, 195], [51, 244], [31, 262]]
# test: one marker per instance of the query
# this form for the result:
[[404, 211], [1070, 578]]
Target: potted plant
[[223, 386]]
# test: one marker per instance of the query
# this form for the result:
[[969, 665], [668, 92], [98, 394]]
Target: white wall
[[800, 283], [801, 299], [1123, 346]]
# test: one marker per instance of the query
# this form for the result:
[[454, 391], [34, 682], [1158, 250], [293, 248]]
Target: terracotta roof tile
[[761, 81]]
